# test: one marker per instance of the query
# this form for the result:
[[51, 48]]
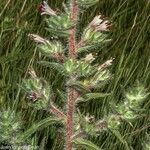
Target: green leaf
[[37, 126], [77, 85], [61, 33], [50, 48], [59, 25], [118, 135], [86, 144], [54, 65], [91, 96], [87, 3], [62, 95], [120, 138]]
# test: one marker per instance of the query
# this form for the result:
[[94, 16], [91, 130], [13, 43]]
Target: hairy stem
[[72, 38], [72, 93], [72, 96]]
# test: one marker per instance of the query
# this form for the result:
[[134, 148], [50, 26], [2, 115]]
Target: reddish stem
[[72, 38], [72, 96], [72, 93]]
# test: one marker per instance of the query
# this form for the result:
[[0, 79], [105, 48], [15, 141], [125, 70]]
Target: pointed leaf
[[91, 96], [62, 95], [86, 144], [53, 65], [77, 85], [118, 135], [120, 138], [38, 126]]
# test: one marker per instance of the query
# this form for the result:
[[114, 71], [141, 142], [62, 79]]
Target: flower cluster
[[132, 104]]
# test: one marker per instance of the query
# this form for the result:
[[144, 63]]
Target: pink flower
[[99, 24], [34, 96], [46, 10]]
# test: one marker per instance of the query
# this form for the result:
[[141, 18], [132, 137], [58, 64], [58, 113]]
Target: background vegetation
[[130, 47]]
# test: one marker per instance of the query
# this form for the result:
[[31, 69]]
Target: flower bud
[[45, 9]]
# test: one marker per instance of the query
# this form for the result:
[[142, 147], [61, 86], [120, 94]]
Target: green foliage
[[86, 144], [130, 47], [38, 92], [96, 80], [126, 112], [113, 122], [146, 143], [51, 48], [38, 126], [136, 95], [101, 75], [87, 3], [78, 68], [132, 106], [88, 125], [10, 126], [92, 40], [93, 37], [55, 66], [59, 24], [92, 96]]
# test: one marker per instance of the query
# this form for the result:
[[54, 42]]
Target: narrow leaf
[[86, 144], [120, 138], [53, 65], [38, 126], [79, 86], [91, 96]]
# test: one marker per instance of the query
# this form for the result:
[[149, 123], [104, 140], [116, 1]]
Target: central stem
[[72, 38], [72, 96], [72, 93]]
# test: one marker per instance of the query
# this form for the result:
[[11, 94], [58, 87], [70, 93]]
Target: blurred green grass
[[130, 47]]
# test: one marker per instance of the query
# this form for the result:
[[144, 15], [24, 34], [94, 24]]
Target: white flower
[[46, 10]]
